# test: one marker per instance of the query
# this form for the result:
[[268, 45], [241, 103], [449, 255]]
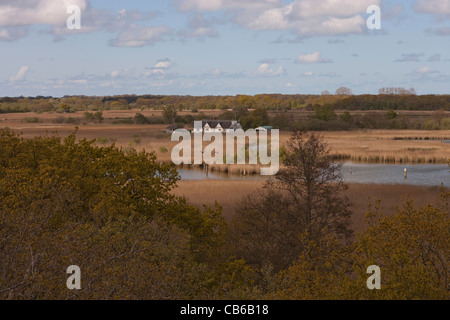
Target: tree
[[96, 117], [391, 114], [256, 118], [304, 198], [314, 185], [344, 91], [325, 112], [169, 114], [139, 118], [108, 211], [346, 117], [411, 247]]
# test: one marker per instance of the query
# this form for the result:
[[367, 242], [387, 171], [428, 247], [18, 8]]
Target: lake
[[424, 175]]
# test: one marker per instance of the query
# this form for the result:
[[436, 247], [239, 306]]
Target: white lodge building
[[218, 126]]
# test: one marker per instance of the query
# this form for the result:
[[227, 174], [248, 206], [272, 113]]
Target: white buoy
[[406, 174]]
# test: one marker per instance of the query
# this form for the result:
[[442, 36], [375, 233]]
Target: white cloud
[[215, 72], [138, 36], [265, 70], [435, 57], [437, 7], [114, 74], [424, 70], [200, 27], [12, 33], [80, 81], [121, 73], [21, 14], [160, 69], [309, 9], [154, 73], [315, 57], [273, 19], [330, 75], [444, 31], [216, 5], [20, 75], [410, 57], [163, 65], [303, 17], [30, 12]]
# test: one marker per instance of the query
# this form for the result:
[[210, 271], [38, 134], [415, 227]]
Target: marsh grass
[[228, 193]]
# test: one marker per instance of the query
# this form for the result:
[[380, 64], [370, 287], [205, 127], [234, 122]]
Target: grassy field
[[228, 193]]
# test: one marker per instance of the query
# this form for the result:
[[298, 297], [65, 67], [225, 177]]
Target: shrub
[[72, 120], [136, 140], [139, 118], [445, 124], [31, 120], [59, 120], [94, 117], [123, 121], [102, 140], [431, 124]]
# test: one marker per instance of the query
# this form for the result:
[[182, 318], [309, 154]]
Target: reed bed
[[228, 193]]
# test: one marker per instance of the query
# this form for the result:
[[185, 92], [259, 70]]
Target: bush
[[102, 140], [136, 140], [94, 117], [31, 120], [123, 121], [325, 113], [69, 120], [445, 124], [391, 114], [108, 211], [72, 120], [431, 124], [139, 118], [59, 120]]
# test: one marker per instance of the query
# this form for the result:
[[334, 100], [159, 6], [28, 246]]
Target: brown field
[[390, 146], [376, 146], [228, 193]]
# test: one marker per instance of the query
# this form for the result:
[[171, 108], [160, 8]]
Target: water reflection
[[427, 175]]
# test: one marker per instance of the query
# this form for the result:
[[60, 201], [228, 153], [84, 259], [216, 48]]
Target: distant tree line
[[343, 99]]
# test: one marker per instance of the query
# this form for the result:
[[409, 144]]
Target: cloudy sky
[[222, 47]]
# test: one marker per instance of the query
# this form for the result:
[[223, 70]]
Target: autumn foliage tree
[[411, 248], [66, 202], [304, 199]]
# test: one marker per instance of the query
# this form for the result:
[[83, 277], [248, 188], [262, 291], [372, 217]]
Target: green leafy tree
[[256, 118], [325, 112]]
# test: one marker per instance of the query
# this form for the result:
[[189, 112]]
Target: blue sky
[[222, 47]]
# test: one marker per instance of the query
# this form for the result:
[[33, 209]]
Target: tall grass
[[228, 193]]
